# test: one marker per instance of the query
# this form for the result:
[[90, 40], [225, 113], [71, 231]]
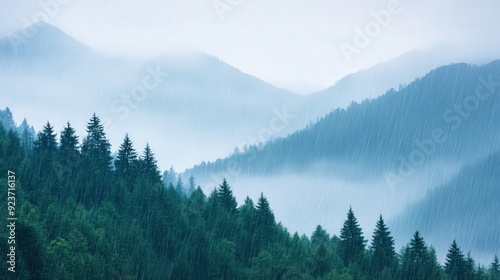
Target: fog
[[314, 197], [291, 45], [314, 103]]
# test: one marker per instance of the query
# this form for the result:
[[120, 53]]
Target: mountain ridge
[[382, 154], [344, 121], [195, 92], [465, 205]]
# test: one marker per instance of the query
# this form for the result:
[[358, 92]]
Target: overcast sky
[[291, 44]]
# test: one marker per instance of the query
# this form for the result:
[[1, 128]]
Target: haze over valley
[[262, 114]]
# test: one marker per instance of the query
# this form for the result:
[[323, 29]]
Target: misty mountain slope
[[374, 135], [467, 205], [41, 66], [199, 83], [378, 156], [206, 102], [44, 49], [211, 106], [376, 80]]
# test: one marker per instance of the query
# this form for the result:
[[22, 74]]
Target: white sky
[[291, 44]]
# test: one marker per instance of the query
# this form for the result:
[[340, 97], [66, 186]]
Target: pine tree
[[352, 243], [469, 266], [221, 208], [454, 265], [179, 187], [197, 201], [321, 260], [68, 141], [27, 134], [46, 141], [7, 119], [192, 185], [226, 200], [95, 147], [320, 240], [68, 156], [433, 269], [96, 160], [45, 148], [169, 176], [13, 150], [212, 207], [247, 222], [415, 259], [265, 216], [418, 249], [382, 247], [149, 168], [481, 273], [495, 269], [265, 226], [319, 236], [248, 203], [126, 161]]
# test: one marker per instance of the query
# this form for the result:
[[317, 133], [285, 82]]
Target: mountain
[[210, 106], [206, 104], [466, 205], [42, 49], [382, 154], [40, 40], [375, 134], [376, 80]]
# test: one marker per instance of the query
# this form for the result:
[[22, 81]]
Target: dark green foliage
[[96, 157], [179, 187], [6, 119], [418, 249], [222, 212], [46, 141], [352, 243], [247, 216], [321, 260], [12, 149], [434, 270], [455, 263], [419, 261], [225, 198], [68, 142], [415, 258], [319, 236], [264, 214], [91, 222], [265, 230], [382, 249], [148, 167], [126, 163], [191, 185], [495, 269], [26, 134], [69, 157], [95, 147], [469, 267]]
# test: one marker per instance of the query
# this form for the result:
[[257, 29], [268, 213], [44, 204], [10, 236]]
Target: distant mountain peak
[[37, 29], [47, 28], [43, 38], [43, 25]]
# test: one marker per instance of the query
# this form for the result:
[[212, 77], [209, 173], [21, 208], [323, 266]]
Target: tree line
[[86, 215]]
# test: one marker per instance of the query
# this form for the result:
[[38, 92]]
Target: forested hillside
[[377, 136], [84, 215], [466, 205]]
